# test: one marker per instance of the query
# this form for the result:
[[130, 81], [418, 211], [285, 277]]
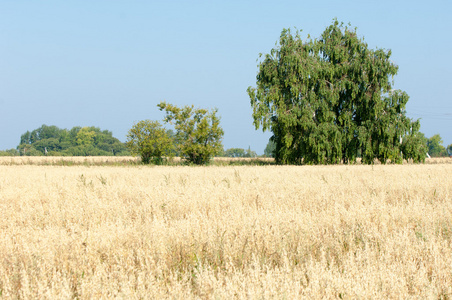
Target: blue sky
[[109, 63]]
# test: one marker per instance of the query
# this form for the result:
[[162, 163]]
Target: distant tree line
[[78, 141], [42, 138], [9, 152], [238, 153]]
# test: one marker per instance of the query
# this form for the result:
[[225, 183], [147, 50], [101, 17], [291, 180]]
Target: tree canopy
[[150, 140], [331, 100], [198, 133], [435, 146]]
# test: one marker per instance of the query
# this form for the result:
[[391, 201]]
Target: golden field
[[130, 160], [226, 232]]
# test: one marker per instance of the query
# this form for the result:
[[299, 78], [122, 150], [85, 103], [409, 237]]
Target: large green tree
[[150, 140], [198, 131], [331, 100]]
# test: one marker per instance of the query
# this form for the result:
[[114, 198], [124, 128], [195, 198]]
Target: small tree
[[414, 145], [198, 132], [435, 146], [270, 149], [149, 140]]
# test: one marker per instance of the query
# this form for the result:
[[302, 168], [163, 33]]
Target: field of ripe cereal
[[257, 232]]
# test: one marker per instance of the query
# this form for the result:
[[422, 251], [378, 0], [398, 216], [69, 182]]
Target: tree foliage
[[9, 152], [330, 100], [435, 146], [198, 132], [86, 141], [85, 136], [150, 140], [270, 149], [239, 152]]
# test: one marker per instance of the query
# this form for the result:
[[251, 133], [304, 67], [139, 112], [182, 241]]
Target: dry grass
[[382, 231], [67, 160], [111, 160], [130, 160]]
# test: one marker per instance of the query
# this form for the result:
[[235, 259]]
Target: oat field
[[226, 232]]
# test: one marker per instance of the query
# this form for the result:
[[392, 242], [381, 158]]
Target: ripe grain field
[[245, 232]]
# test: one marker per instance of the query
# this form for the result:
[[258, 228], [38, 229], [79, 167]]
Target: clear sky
[[108, 63]]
